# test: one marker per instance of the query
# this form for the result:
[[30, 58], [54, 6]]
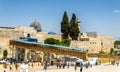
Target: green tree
[[5, 53], [65, 42], [74, 30], [52, 41], [111, 51], [117, 42], [57, 42], [116, 52], [101, 52], [65, 26]]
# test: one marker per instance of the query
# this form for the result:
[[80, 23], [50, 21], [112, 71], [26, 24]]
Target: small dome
[[51, 33], [36, 26]]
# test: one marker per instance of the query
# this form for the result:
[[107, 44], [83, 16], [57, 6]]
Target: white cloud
[[116, 11]]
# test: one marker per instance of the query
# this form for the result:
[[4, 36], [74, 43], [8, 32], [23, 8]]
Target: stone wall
[[7, 33], [43, 35], [94, 45]]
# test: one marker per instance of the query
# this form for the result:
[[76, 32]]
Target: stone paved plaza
[[99, 68]]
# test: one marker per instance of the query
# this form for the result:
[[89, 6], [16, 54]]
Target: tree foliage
[[101, 52], [52, 41], [74, 30], [5, 53], [57, 42], [117, 42], [116, 52], [111, 51], [65, 26], [65, 42]]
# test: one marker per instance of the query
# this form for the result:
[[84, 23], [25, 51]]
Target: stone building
[[11, 33], [94, 43], [41, 36]]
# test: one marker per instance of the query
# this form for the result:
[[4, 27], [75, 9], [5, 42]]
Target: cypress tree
[[65, 26], [74, 30]]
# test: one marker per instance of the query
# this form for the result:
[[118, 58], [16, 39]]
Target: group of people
[[10, 62], [81, 66], [46, 65], [62, 64], [113, 63]]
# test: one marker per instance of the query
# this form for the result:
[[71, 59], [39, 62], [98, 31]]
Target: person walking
[[63, 65], [86, 65], [75, 67], [57, 65], [10, 66], [16, 66], [68, 65], [45, 65], [32, 65], [117, 63], [60, 65], [4, 69], [81, 66]]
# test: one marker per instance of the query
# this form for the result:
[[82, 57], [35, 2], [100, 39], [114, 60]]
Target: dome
[[36, 26], [51, 33]]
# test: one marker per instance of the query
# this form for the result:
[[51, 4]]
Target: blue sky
[[101, 16]]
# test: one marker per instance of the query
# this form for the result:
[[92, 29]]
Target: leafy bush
[[5, 53], [57, 42], [65, 42], [52, 41]]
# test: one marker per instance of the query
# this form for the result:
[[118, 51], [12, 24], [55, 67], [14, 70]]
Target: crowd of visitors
[[46, 65]]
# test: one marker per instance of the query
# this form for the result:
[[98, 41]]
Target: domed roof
[[36, 26], [51, 33]]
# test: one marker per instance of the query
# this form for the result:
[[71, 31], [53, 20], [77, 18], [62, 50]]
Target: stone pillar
[[1, 54], [26, 53], [29, 55], [13, 52], [42, 56], [11, 48], [16, 52]]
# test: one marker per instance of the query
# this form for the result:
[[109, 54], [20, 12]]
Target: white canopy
[[79, 60]]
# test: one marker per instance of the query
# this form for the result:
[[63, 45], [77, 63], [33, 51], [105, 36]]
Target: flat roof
[[49, 45], [8, 27]]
